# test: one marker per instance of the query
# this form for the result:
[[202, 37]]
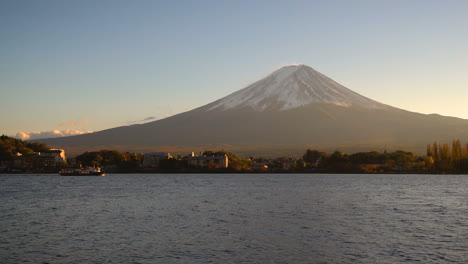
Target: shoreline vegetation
[[21, 157]]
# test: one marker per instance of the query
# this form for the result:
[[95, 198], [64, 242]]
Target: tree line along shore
[[17, 156]]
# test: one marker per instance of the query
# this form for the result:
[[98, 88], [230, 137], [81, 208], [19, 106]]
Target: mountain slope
[[294, 107]]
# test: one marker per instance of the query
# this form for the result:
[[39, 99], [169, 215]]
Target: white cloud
[[49, 134]]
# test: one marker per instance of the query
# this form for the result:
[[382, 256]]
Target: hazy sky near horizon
[[85, 65]]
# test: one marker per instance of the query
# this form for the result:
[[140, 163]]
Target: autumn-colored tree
[[444, 152], [465, 154], [435, 152], [457, 153], [313, 156]]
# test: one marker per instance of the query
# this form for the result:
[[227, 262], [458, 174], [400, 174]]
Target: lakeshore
[[17, 156]]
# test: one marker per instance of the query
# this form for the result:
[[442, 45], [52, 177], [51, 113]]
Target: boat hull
[[90, 171], [83, 174]]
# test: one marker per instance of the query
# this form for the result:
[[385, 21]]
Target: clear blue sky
[[110, 63]]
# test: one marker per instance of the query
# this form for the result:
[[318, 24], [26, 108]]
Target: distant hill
[[291, 109]]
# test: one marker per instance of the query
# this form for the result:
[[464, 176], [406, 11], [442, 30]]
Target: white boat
[[90, 171]]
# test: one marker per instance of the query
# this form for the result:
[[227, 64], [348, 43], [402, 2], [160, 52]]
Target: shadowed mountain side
[[316, 124], [292, 108]]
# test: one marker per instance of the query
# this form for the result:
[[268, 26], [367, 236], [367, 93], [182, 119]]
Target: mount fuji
[[292, 87], [293, 108]]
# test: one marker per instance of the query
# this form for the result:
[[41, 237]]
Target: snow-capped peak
[[291, 87]]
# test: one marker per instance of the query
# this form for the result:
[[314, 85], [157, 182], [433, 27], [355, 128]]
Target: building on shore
[[50, 158], [202, 161], [44, 161], [152, 160], [260, 165]]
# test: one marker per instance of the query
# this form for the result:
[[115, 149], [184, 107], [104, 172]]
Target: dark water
[[234, 219]]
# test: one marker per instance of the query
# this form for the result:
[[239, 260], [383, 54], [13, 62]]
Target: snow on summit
[[291, 87]]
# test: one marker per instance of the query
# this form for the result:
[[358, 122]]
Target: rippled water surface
[[234, 219]]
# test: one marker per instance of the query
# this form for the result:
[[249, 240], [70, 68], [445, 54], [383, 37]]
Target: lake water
[[208, 218]]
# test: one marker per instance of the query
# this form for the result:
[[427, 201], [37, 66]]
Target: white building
[[57, 154], [46, 159], [221, 161]]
